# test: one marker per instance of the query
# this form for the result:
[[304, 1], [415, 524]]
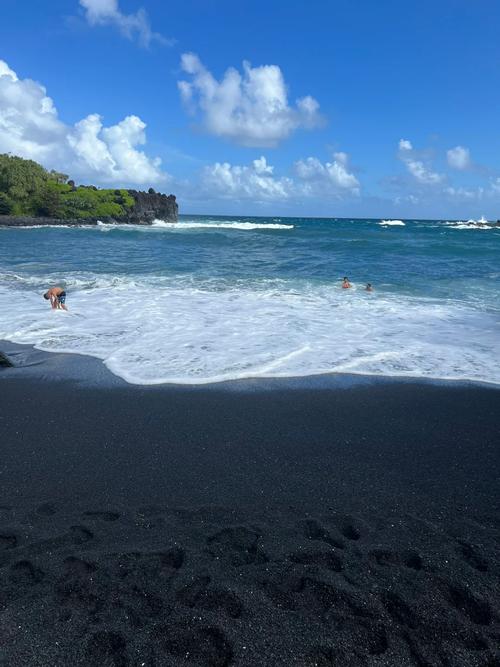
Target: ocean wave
[[162, 225], [391, 223], [16, 227], [467, 225], [191, 331], [215, 224], [70, 281]]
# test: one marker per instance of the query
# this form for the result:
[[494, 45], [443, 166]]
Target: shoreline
[[329, 524], [28, 360], [27, 221]]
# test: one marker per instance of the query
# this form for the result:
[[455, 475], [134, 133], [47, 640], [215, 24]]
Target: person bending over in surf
[[57, 297], [345, 283]]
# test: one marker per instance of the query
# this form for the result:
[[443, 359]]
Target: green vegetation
[[26, 188]]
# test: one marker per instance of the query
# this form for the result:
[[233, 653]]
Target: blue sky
[[380, 109]]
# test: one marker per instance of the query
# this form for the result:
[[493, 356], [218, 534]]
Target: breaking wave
[[216, 224], [155, 330]]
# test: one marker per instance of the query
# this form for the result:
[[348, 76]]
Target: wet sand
[[248, 526]]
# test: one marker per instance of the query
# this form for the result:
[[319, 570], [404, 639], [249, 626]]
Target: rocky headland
[[148, 206], [31, 196]]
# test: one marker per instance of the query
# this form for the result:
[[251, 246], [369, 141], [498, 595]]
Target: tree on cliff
[[21, 181], [49, 201], [5, 204]]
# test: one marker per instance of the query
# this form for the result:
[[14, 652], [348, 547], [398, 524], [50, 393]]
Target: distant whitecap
[[216, 224]]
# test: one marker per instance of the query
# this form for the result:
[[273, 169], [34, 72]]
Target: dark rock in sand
[[5, 362]]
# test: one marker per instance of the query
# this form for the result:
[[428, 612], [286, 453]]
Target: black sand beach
[[356, 525]]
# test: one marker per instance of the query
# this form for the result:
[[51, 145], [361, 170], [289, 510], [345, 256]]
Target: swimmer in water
[[345, 283], [369, 287]]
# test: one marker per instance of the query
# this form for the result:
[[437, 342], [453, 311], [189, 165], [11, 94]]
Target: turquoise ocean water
[[214, 298]]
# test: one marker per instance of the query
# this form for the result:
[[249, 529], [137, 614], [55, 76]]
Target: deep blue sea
[[215, 298]]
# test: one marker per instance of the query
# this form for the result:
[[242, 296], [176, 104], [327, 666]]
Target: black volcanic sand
[[160, 526]]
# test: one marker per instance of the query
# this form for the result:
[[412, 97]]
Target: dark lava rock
[[151, 206], [5, 362]]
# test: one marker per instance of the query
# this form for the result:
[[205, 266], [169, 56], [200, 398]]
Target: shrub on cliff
[[85, 202], [26, 188]]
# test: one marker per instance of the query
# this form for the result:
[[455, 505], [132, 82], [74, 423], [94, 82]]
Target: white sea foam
[[45, 227], [159, 225], [465, 226], [150, 330], [470, 224], [392, 223], [219, 224], [189, 225]]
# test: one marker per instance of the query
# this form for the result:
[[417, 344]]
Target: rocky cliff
[[148, 206], [151, 206]]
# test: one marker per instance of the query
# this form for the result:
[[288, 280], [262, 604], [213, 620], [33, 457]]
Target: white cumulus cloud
[[405, 145], [327, 178], [251, 108], [255, 181], [107, 12], [6, 71], [458, 157], [111, 152], [417, 168], [30, 127], [495, 185], [464, 193]]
